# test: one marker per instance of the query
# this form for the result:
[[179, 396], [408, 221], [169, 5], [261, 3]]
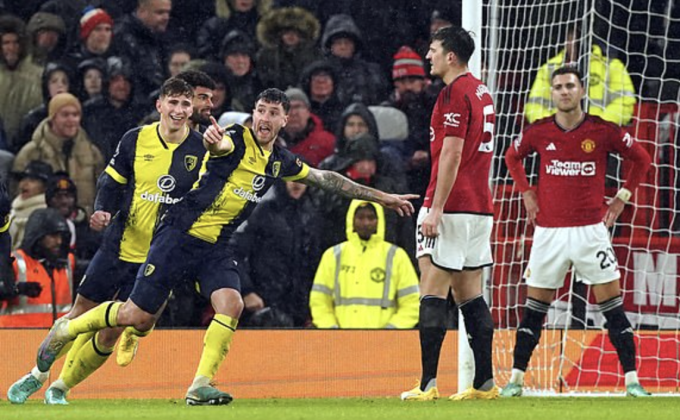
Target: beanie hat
[[60, 182], [91, 18], [59, 101], [295, 94], [407, 63]]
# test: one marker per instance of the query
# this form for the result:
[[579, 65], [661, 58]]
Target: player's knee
[[227, 302], [132, 315], [107, 337]]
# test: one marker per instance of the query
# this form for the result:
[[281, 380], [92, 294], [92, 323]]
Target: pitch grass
[[351, 408]]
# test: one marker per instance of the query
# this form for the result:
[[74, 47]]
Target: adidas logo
[[551, 146]]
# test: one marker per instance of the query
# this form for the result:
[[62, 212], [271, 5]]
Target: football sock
[[432, 329], [98, 318], [529, 333], [632, 378], [138, 333], [91, 356], [40, 376], [620, 332], [216, 345], [479, 327], [72, 355]]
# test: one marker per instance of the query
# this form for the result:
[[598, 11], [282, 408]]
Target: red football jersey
[[464, 109], [572, 168]]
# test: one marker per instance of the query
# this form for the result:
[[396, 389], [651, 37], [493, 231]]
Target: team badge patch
[[190, 162], [149, 269], [588, 145], [378, 275], [276, 169]]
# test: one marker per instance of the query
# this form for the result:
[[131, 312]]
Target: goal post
[[517, 38]]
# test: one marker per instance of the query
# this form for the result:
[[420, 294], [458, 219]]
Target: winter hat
[[60, 182], [295, 94], [91, 18], [59, 101], [36, 169], [407, 63]]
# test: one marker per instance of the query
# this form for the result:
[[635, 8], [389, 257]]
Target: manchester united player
[[454, 224], [571, 226]]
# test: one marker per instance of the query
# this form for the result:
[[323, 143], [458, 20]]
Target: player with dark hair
[[571, 222], [194, 234], [204, 87], [152, 168], [454, 224]]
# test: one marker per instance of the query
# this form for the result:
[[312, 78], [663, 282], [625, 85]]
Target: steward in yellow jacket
[[365, 282], [611, 95]]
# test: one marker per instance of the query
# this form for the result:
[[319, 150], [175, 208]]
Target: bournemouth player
[[153, 167], [194, 233], [454, 224], [571, 220]]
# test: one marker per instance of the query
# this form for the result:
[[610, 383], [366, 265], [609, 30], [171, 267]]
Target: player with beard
[[204, 87], [194, 235], [153, 166]]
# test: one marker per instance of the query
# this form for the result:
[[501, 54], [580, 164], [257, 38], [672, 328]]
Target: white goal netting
[[575, 354]]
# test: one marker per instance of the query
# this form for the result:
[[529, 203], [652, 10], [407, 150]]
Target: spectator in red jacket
[[305, 134]]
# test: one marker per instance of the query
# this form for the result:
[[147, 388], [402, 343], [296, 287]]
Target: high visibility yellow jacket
[[611, 95], [365, 284], [54, 301]]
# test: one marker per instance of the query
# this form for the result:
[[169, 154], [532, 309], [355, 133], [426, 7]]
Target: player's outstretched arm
[[338, 184], [214, 140]]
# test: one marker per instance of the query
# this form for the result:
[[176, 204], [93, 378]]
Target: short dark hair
[[175, 86], [568, 70], [197, 78], [456, 40], [274, 96]]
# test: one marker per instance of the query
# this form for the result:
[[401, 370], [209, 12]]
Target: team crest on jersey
[[149, 269], [588, 146], [378, 275], [276, 169], [190, 162]]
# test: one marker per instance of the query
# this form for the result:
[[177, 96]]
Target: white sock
[[41, 376], [59, 384], [632, 378], [432, 383], [199, 381], [517, 377]]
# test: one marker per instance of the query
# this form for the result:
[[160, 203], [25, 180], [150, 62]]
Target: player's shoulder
[[540, 125], [596, 121]]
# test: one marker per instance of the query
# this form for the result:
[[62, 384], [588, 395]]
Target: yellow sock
[[79, 342], [90, 357], [135, 331], [97, 318], [65, 350], [216, 345]]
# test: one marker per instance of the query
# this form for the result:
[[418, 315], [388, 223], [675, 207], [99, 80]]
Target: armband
[[624, 195]]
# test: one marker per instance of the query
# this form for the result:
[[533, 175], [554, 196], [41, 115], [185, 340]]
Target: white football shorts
[[587, 248], [464, 241]]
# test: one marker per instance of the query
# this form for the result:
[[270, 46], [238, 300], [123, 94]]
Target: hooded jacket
[[54, 275], [78, 157], [331, 109], [358, 79], [365, 284], [277, 64]]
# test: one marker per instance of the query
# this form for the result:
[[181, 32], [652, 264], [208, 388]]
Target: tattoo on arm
[[336, 183]]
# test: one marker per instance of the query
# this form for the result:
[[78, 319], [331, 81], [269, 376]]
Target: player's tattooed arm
[[338, 184]]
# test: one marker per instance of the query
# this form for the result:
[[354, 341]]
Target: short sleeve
[[292, 168], [523, 144]]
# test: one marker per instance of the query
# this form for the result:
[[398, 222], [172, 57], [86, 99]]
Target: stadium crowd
[[76, 75]]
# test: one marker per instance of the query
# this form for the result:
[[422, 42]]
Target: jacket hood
[[50, 68], [341, 25], [225, 8], [314, 68], [13, 25], [43, 222], [362, 110], [352, 236], [46, 21], [237, 41], [271, 26]]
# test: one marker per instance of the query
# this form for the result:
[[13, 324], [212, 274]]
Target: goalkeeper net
[[575, 354]]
